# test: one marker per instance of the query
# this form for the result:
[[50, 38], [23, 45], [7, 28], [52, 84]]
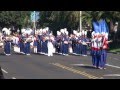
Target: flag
[[96, 27], [103, 26]]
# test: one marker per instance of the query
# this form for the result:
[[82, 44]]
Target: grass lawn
[[115, 50]]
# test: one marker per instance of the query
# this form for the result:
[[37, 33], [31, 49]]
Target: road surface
[[38, 66]]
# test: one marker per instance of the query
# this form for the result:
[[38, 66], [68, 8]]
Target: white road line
[[91, 65], [4, 71], [116, 58], [13, 78], [112, 66], [112, 75], [82, 65], [78, 64]]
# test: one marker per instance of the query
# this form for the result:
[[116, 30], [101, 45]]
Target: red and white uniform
[[105, 43], [94, 43]]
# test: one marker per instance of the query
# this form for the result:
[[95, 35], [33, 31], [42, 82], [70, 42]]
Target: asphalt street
[[38, 66]]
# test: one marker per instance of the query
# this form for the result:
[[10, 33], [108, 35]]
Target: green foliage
[[56, 19], [14, 18]]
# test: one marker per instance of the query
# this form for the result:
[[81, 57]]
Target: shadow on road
[[88, 67], [85, 66], [2, 54]]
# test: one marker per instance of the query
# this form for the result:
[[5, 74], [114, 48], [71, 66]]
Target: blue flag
[[103, 26], [96, 27], [101, 23]]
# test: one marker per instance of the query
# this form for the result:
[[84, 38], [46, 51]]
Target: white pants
[[35, 49], [50, 49], [50, 53]]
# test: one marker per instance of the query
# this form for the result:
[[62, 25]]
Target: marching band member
[[58, 42], [74, 41], [66, 44], [98, 52], [16, 43], [50, 46], [39, 42], [46, 48], [70, 44], [7, 45], [93, 46], [1, 40], [104, 50], [62, 43], [77, 44], [80, 44], [35, 42], [84, 44], [21, 44], [27, 44]]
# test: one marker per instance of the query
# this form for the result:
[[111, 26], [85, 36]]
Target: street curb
[[114, 52]]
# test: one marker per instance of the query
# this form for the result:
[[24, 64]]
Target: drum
[[65, 42], [1, 45], [16, 49], [84, 43]]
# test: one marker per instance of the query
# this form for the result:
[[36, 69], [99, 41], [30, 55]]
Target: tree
[[14, 18]]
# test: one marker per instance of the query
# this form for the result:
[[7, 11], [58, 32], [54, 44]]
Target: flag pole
[[80, 20], [34, 26]]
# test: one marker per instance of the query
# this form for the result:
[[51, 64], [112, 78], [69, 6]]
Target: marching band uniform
[[1, 40], [104, 50], [21, 44], [93, 50], [98, 52], [61, 45], [65, 45], [35, 44], [46, 48], [43, 45], [16, 44], [77, 48], [84, 46], [80, 45], [27, 45], [7, 45], [50, 46], [58, 42], [74, 44], [70, 44], [39, 43]]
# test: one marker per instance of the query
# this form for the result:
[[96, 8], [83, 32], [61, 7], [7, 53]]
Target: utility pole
[[80, 20], [34, 26]]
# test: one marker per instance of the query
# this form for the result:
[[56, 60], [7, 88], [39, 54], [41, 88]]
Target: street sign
[[35, 16]]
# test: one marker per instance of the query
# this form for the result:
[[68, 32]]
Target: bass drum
[[1, 45]]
